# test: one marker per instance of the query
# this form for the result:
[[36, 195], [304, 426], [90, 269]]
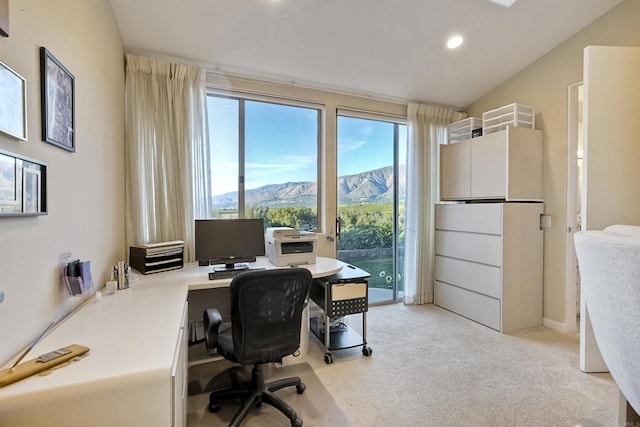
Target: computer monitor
[[229, 241]]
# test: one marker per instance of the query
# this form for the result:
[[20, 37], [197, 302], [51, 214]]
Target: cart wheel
[[367, 351], [328, 358], [297, 422], [300, 388]]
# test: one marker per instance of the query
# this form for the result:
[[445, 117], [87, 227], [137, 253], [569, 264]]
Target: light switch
[[1, 296], [545, 221]]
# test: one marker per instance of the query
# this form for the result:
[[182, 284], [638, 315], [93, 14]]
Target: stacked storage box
[[157, 257], [510, 115], [463, 129]]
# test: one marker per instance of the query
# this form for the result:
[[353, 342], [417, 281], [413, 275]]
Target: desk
[[135, 373]]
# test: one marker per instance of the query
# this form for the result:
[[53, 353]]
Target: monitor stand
[[231, 267]]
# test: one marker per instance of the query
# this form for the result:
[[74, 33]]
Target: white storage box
[[461, 130], [509, 115]]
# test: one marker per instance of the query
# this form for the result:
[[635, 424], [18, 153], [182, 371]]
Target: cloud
[[350, 145], [283, 164]]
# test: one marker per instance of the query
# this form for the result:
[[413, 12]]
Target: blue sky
[[281, 144]]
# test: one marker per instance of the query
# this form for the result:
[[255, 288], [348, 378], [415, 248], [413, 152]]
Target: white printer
[[287, 246]]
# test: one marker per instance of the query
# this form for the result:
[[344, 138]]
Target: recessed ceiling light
[[454, 42], [505, 3]]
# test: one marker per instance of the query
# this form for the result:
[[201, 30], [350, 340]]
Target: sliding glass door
[[371, 186]]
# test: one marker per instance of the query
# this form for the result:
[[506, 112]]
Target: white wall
[[543, 85], [85, 188]]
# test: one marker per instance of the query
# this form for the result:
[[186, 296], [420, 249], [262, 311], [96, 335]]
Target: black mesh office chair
[[266, 317]]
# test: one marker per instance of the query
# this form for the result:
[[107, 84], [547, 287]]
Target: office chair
[[266, 318]]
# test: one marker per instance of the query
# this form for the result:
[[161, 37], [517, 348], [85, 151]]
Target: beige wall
[[543, 85], [85, 188]]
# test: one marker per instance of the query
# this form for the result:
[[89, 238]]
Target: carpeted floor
[[315, 406], [431, 367]]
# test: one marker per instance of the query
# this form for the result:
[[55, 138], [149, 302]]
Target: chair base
[[257, 392]]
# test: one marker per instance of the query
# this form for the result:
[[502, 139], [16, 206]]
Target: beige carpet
[[431, 367], [315, 405]]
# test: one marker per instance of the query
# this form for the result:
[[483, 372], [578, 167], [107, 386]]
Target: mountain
[[374, 186]]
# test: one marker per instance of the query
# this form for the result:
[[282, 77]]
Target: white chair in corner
[[609, 263]]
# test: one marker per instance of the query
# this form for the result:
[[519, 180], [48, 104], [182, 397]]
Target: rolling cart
[[342, 294]]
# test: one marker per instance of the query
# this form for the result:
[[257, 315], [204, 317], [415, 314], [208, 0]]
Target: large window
[[264, 161]]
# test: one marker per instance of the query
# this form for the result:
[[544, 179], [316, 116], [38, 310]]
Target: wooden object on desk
[[33, 366], [157, 257]]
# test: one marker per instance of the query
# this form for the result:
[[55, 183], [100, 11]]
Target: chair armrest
[[212, 320]]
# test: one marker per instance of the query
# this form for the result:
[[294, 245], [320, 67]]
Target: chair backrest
[[266, 313], [609, 264]]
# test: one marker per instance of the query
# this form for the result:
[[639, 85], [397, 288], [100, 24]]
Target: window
[[264, 161]]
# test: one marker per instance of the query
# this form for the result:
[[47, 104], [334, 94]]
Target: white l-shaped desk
[[135, 373]]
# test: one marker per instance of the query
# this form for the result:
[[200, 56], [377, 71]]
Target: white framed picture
[[13, 103], [30, 190], [8, 188]]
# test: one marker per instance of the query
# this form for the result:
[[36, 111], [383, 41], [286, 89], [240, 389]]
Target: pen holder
[[121, 274]]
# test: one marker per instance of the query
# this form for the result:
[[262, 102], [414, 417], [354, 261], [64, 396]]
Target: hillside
[[367, 187]]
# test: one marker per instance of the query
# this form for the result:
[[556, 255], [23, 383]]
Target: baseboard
[[558, 326]]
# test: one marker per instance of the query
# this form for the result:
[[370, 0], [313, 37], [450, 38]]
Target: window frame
[[242, 97]]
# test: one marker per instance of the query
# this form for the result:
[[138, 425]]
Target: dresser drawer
[[476, 217], [481, 308], [483, 248], [481, 278]]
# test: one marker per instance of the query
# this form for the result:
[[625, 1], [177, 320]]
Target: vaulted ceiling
[[391, 49]]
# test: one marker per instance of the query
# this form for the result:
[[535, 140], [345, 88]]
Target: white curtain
[[427, 129], [166, 151]]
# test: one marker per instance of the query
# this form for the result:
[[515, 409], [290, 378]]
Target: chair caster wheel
[[328, 358], [214, 407], [367, 351], [300, 388], [297, 422]]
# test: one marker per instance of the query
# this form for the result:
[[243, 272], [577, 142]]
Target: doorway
[[371, 168], [574, 202]]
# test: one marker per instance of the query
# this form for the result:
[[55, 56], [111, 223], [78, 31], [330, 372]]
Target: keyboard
[[229, 274]]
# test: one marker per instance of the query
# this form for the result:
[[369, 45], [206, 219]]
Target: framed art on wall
[[30, 190], [4, 18], [8, 190], [13, 103], [58, 103], [23, 185]]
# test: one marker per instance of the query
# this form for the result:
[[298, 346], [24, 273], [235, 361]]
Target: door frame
[[571, 262]]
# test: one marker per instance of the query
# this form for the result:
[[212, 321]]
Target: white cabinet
[[489, 263], [505, 165], [179, 377]]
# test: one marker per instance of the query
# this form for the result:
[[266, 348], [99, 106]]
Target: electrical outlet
[[545, 221]]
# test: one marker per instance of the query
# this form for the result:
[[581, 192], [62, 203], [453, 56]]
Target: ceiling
[[388, 49]]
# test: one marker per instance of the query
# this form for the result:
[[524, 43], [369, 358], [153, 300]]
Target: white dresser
[[488, 263]]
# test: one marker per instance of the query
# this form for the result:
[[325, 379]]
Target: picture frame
[[23, 186], [30, 190], [8, 185], [13, 103], [58, 102], [4, 18]]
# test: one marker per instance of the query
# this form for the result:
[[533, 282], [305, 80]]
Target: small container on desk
[[156, 257], [342, 294]]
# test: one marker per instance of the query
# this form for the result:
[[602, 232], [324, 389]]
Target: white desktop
[[136, 370]]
